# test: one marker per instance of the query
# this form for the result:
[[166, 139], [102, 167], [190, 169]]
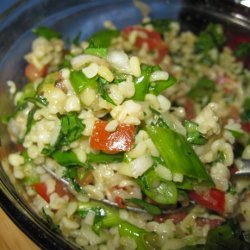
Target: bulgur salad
[[151, 117]]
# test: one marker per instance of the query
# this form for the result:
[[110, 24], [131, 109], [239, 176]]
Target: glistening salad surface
[[150, 116]]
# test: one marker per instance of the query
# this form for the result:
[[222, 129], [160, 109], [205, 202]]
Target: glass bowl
[[68, 18]]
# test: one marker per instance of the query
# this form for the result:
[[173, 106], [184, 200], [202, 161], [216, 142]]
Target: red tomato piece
[[176, 217], [33, 73], [149, 33], [151, 38], [41, 189], [120, 140], [189, 108], [212, 199], [233, 169], [120, 202], [246, 126], [61, 189], [213, 223]]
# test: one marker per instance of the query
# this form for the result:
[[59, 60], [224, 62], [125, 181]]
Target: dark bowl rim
[[10, 201]]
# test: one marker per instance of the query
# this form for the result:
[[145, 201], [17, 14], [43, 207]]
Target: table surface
[[11, 237]]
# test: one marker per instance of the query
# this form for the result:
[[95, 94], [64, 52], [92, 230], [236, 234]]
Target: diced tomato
[[20, 147], [176, 217], [33, 73], [120, 140], [120, 202], [213, 223], [246, 126], [236, 40], [41, 189], [151, 38], [189, 108], [88, 179], [233, 169], [61, 189], [213, 199]]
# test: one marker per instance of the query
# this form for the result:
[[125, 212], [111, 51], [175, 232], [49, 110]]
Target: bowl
[[68, 18]]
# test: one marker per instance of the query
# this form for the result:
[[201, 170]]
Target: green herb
[[142, 82], [157, 188], [158, 87], [71, 130], [160, 25], [30, 120], [31, 180], [202, 91], [193, 135], [100, 213], [67, 159], [46, 32], [27, 92], [39, 101], [119, 77], [103, 38], [26, 157], [80, 82], [72, 174], [242, 50], [50, 222], [101, 52], [245, 116], [177, 153], [102, 88], [151, 209], [211, 37], [104, 158], [227, 236], [220, 157]]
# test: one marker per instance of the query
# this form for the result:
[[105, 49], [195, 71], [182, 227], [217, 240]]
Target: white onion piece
[[79, 61], [119, 60], [141, 165], [159, 76]]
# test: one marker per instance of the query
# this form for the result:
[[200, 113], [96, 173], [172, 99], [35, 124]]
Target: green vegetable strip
[[158, 189], [177, 153], [101, 52], [80, 82], [46, 32], [142, 83], [157, 87], [104, 158], [102, 86], [67, 159], [108, 217], [151, 209]]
